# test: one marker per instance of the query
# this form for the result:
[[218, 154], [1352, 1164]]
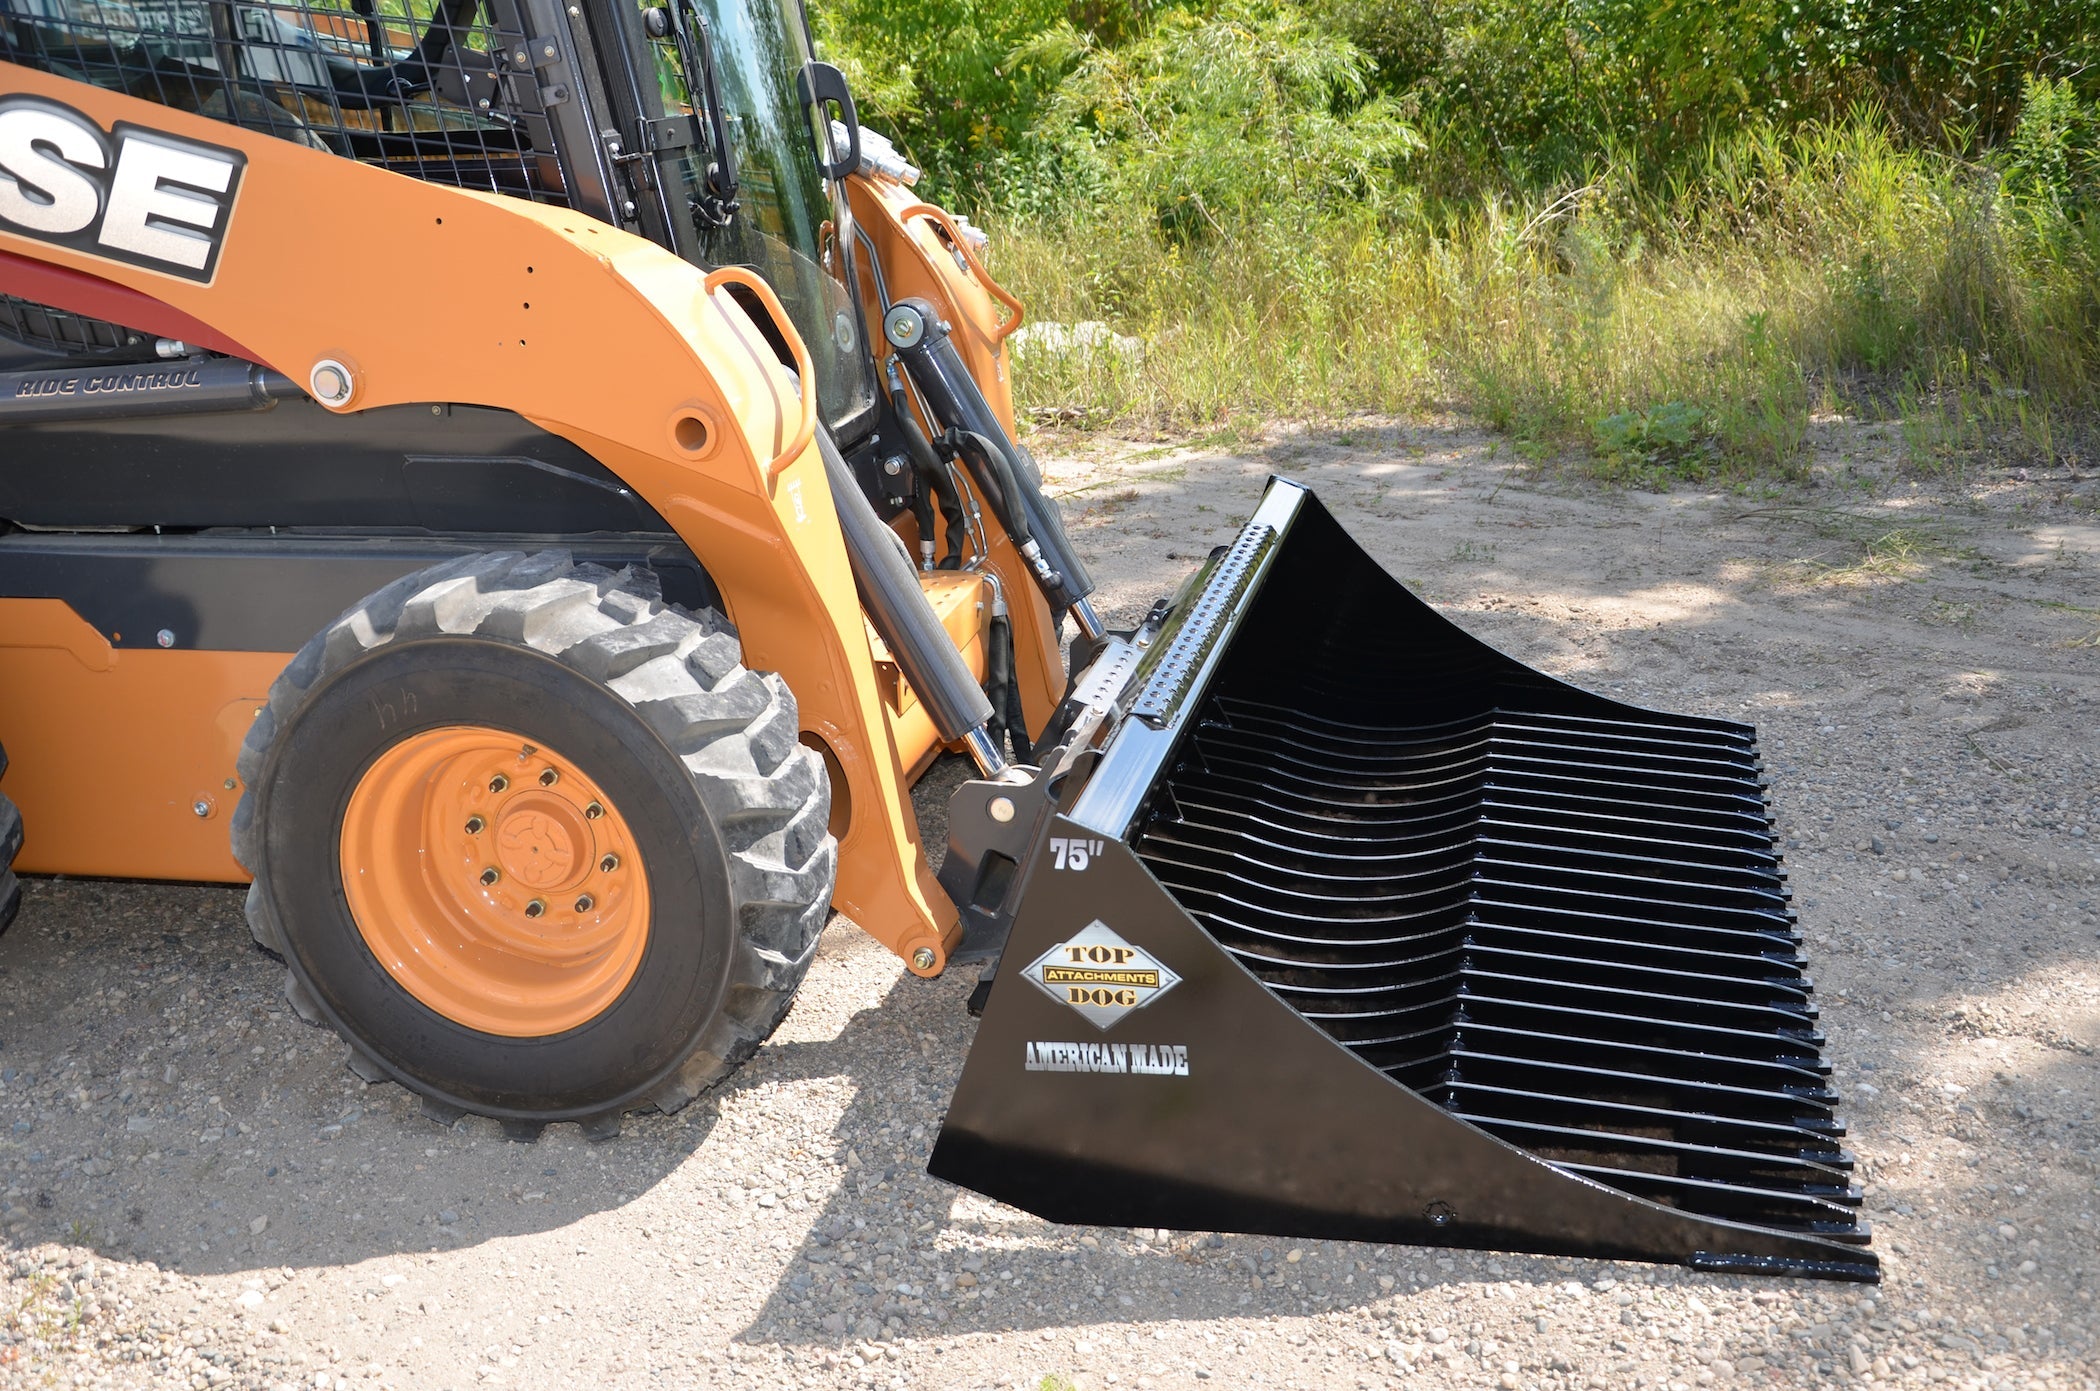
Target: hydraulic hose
[[934, 481], [954, 517], [922, 513], [998, 680], [1008, 697], [1003, 490], [921, 341]]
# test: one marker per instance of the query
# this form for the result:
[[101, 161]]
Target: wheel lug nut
[[490, 875], [549, 778], [586, 903], [474, 825], [535, 908], [609, 863], [498, 783], [593, 812]]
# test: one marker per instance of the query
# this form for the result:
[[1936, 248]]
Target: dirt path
[[197, 1193]]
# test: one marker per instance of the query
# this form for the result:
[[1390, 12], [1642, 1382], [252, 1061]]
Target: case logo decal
[[1100, 975], [132, 194]]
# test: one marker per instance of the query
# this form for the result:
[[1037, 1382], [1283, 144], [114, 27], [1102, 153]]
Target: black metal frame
[[255, 591], [414, 469], [1466, 956], [36, 334], [475, 93]]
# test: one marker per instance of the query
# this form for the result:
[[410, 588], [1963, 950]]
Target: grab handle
[[984, 277], [804, 432], [823, 86]]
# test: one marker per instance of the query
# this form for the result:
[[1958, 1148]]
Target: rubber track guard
[[1360, 929]]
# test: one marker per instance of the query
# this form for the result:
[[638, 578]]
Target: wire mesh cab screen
[[441, 90]]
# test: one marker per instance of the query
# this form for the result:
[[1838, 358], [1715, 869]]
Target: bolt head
[[1001, 808], [201, 806], [331, 382], [922, 959], [609, 863], [903, 326], [593, 812], [535, 908], [893, 467], [585, 903], [165, 637], [491, 875], [475, 825], [499, 783], [549, 777]]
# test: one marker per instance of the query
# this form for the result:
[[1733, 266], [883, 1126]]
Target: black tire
[[10, 843], [729, 812]]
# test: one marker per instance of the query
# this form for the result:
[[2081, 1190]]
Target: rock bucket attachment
[[1353, 927]]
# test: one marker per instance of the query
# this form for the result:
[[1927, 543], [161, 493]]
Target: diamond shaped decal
[[1100, 975]]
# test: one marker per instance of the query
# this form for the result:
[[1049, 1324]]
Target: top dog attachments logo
[[133, 194], [1100, 975]]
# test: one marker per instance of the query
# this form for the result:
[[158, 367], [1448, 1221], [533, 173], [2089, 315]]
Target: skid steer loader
[[527, 486]]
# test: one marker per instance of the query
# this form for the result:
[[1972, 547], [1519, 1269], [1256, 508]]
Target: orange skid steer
[[528, 487]]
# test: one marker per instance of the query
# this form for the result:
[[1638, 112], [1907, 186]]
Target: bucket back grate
[[1560, 918]]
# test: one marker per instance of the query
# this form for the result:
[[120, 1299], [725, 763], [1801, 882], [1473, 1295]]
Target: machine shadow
[[894, 1252], [891, 1253], [163, 1103]]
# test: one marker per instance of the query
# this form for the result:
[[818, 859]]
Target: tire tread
[[10, 845], [733, 729]]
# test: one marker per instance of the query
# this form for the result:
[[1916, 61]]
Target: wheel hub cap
[[495, 881], [537, 840]]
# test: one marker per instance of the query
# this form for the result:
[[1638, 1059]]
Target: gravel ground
[[196, 1193]]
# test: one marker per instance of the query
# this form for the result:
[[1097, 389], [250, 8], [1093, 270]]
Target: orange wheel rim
[[494, 881]]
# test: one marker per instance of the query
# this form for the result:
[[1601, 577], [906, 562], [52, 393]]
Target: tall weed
[[1684, 330]]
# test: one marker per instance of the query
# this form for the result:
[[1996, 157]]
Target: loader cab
[[735, 159], [694, 122]]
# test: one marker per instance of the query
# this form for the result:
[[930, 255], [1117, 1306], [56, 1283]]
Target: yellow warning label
[[1085, 975]]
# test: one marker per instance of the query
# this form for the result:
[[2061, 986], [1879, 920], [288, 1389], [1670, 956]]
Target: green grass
[[1686, 332]]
